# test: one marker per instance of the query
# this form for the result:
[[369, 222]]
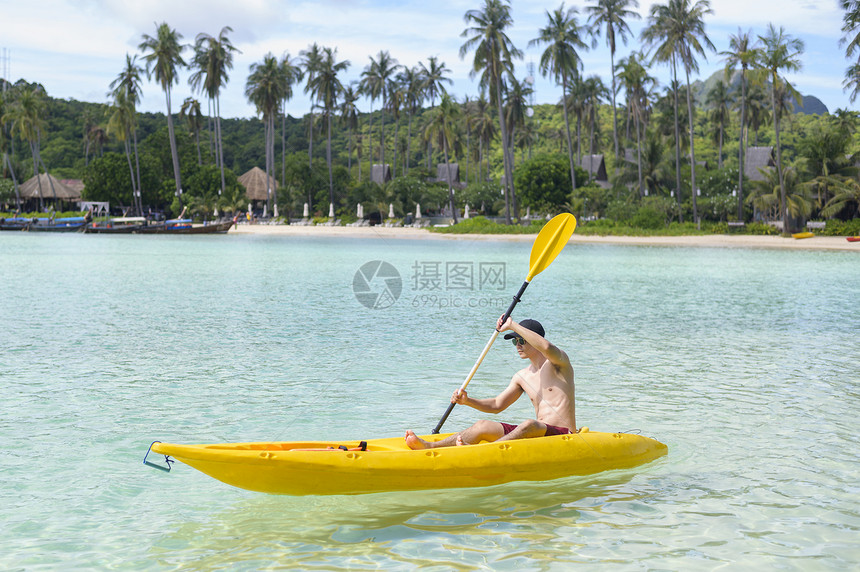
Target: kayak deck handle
[[167, 460]]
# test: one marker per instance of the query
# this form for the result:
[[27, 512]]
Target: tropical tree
[[442, 126], [412, 82], [718, 99], [563, 37], [213, 58], [377, 79], [433, 77], [677, 30], [193, 116], [494, 53], [265, 88], [778, 189], [610, 15], [311, 59], [851, 41], [349, 116], [163, 56], [120, 126], [26, 116], [127, 87], [780, 52], [292, 72], [743, 51], [638, 86], [6, 166], [326, 87], [594, 93]]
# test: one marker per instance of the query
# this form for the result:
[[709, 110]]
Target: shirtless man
[[548, 381]]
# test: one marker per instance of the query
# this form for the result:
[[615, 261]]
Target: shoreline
[[832, 243]]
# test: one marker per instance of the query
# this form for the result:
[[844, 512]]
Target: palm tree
[[349, 116], [128, 82], [780, 52], [120, 126], [719, 100], [494, 53], [377, 77], [411, 80], [311, 59], [594, 91], [442, 126], [292, 72], [611, 14], [743, 51], [326, 88], [781, 188], [433, 77], [163, 55], [563, 36], [26, 116], [6, 166], [851, 39], [265, 88], [191, 113], [213, 57], [485, 129], [637, 87], [677, 31]]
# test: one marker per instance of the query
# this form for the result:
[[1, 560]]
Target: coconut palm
[[743, 51], [120, 125], [349, 115], [718, 99], [442, 126], [676, 31], [412, 82], [433, 76], [311, 59], [326, 87], [485, 130], [594, 92], [846, 195], [26, 116], [780, 52], [561, 60], [378, 77], [610, 15], [494, 53], [265, 88], [193, 116], [128, 82], [637, 87], [6, 166], [851, 41], [213, 58], [163, 56], [292, 72], [776, 189]]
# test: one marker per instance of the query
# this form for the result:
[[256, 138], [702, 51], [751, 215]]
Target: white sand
[[716, 240]]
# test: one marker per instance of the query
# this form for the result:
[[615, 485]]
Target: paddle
[[549, 242]]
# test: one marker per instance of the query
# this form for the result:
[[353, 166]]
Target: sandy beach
[[407, 233]]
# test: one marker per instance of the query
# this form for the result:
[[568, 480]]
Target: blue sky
[[75, 48]]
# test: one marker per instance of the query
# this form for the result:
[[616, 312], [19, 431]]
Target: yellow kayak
[[802, 235], [379, 465]]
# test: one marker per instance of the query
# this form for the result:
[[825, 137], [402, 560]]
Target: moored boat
[[185, 226], [380, 465], [853, 238], [15, 223], [802, 235], [67, 224], [119, 225]]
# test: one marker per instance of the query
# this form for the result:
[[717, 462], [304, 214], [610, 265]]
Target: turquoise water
[[744, 362]]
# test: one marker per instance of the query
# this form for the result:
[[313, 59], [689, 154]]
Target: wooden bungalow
[[255, 185], [442, 174], [758, 158], [595, 166]]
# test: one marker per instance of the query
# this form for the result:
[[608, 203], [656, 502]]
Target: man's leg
[[483, 430], [526, 430]]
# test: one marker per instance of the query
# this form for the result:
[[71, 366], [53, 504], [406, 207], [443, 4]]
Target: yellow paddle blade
[[550, 242]]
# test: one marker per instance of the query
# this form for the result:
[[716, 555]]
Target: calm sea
[[744, 362]]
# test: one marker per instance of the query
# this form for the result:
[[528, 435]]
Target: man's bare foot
[[415, 442], [460, 442]]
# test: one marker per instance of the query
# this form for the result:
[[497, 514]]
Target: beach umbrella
[[265, 208], [249, 208], [390, 210], [417, 210], [358, 210], [528, 213], [306, 211], [276, 210], [466, 214], [331, 210], [215, 212]]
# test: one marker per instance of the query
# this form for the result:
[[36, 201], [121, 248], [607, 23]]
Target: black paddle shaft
[[507, 315]]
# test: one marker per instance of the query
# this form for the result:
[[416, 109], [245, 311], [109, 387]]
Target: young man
[[547, 380]]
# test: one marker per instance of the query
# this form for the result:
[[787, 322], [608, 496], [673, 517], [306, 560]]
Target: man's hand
[[502, 326], [460, 397]]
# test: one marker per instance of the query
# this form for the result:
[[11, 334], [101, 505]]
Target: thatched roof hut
[[758, 158], [442, 174], [380, 174], [255, 185], [51, 188], [595, 166]]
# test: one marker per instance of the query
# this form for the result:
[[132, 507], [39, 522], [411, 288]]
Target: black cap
[[529, 324]]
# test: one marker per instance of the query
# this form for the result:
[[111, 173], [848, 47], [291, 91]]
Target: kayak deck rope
[[167, 460]]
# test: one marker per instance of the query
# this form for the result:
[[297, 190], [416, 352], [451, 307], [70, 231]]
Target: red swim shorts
[[550, 430]]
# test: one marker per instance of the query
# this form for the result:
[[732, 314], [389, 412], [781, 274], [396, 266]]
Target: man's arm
[[493, 405], [551, 352]]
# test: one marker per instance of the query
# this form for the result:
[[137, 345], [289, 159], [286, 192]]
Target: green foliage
[[648, 218], [482, 225], [761, 228], [836, 227], [482, 197], [543, 182]]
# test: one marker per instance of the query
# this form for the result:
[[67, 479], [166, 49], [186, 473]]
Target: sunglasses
[[518, 341]]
